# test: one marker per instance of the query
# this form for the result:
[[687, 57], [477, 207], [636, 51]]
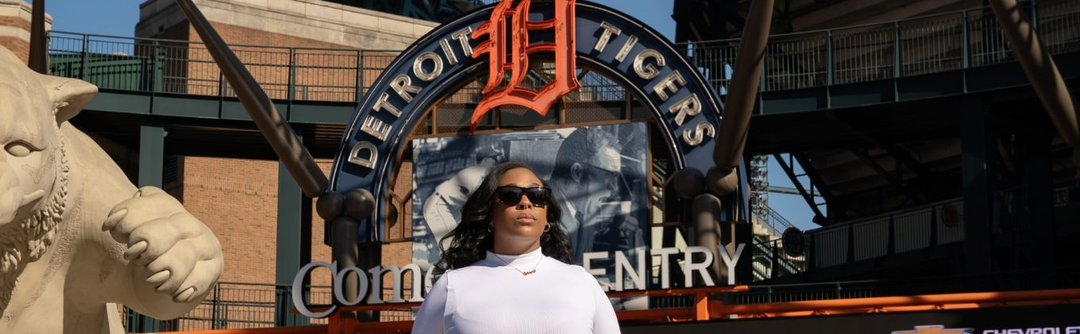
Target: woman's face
[[521, 223]]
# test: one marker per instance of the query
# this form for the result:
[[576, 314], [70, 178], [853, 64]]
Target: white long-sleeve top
[[490, 296]]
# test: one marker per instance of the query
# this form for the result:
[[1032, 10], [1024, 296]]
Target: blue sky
[[118, 18]]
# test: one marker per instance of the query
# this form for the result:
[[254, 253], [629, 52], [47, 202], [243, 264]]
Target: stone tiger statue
[[75, 234]]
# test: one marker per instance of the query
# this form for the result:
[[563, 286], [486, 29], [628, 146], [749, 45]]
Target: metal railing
[[873, 237], [776, 222], [255, 305], [771, 261], [1036, 279], [916, 46], [232, 305], [183, 67], [285, 73]]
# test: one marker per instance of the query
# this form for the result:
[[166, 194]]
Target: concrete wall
[[319, 22], [15, 26]]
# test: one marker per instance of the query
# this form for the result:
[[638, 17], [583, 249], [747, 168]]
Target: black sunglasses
[[511, 195]]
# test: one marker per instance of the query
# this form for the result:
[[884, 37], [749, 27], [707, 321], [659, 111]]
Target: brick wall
[[20, 47], [9, 21], [244, 36], [237, 199]]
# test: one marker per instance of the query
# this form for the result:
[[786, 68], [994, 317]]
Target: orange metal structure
[[704, 308], [517, 61]]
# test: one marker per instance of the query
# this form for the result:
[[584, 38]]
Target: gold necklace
[[523, 273]]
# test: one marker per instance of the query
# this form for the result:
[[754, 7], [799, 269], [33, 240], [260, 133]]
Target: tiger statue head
[[33, 165]]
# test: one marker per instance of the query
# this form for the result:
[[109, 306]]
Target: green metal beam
[[789, 191], [151, 153], [800, 190], [151, 173], [293, 242], [835, 213]]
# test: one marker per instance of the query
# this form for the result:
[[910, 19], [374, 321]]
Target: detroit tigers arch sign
[[496, 41]]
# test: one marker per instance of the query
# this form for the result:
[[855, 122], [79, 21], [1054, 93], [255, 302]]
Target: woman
[[507, 268]]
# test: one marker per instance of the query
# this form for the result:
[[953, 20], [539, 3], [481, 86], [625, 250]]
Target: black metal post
[[976, 171], [39, 55]]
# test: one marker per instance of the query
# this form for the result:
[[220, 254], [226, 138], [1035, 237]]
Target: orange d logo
[[511, 53]]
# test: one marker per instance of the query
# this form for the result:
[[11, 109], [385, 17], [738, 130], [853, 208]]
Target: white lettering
[[450, 57], [298, 290], [689, 106], [665, 276], [668, 83], [369, 162], [396, 281], [702, 130], [647, 71], [417, 282], [418, 66], [463, 36], [402, 84], [382, 103], [586, 261], [623, 264], [731, 261], [605, 37], [339, 286], [630, 42], [370, 282], [373, 126], [701, 267]]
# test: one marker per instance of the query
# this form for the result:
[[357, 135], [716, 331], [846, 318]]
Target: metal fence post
[[48, 47], [83, 60], [291, 95], [892, 236], [775, 261], [359, 75], [221, 84], [154, 67], [934, 225], [851, 244], [898, 64], [829, 68], [217, 319], [281, 309], [764, 73], [965, 52]]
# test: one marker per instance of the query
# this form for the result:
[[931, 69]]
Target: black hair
[[471, 238]]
